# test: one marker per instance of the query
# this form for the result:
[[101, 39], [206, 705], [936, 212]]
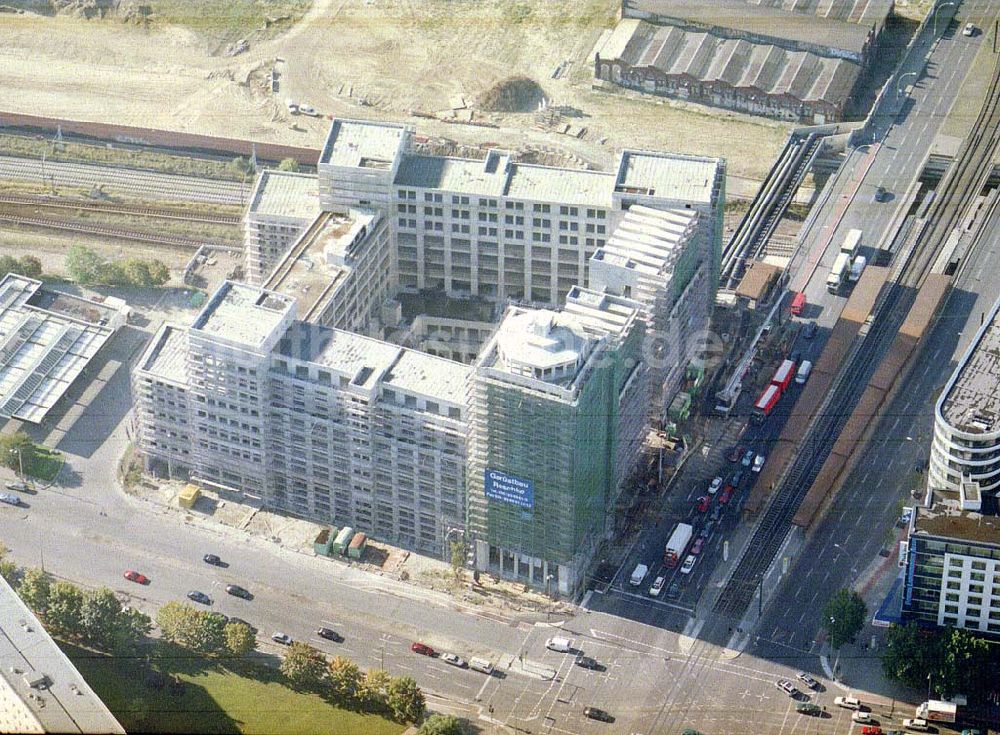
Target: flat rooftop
[[486, 177], [285, 194], [972, 400], [947, 519], [564, 185], [362, 144], [47, 338], [838, 24], [359, 360], [668, 175], [242, 313], [320, 260], [430, 376], [66, 703], [165, 358]]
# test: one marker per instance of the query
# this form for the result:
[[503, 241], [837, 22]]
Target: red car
[[134, 576], [726, 495], [697, 546], [422, 648], [703, 502], [871, 730]]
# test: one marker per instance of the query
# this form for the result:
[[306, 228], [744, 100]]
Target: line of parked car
[[476, 664]]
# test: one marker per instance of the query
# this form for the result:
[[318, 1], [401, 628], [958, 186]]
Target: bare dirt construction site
[[430, 63]]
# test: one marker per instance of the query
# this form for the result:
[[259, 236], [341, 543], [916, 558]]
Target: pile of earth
[[513, 94]]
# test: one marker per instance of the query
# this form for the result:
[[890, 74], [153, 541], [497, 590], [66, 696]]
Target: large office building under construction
[[296, 391]]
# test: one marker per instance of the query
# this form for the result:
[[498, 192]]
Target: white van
[[481, 665], [559, 644], [803, 374], [847, 702], [638, 574]]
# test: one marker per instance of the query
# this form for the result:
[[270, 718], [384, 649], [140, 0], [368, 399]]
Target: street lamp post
[[899, 83], [936, 11]]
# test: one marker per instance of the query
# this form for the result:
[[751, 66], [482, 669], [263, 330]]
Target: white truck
[[857, 268], [836, 277], [936, 710], [677, 544]]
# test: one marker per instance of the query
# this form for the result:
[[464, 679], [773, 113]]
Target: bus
[[765, 404], [852, 241], [837, 273], [783, 375]]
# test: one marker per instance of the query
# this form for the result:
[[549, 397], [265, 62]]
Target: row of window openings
[[436, 198]]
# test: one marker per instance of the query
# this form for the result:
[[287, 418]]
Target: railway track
[[117, 232], [135, 182], [960, 185], [103, 208]]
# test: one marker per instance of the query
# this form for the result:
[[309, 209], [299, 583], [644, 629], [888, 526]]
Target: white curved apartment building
[[966, 446]]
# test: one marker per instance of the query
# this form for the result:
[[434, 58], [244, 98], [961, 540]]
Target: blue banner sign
[[509, 489]]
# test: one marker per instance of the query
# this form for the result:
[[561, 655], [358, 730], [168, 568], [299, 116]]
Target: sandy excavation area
[[377, 59]]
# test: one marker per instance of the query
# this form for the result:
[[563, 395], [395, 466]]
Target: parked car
[[21, 487], [559, 644], [697, 546], [861, 716], [787, 687], [330, 635], [872, 730], [808, 708], [917, 723], [657, 587], [727, 495], [702, 503], [707, 530], [586, 662], [422, 648], [597, 714], [688, 564], [9, 499], [809, 331], [674, 591], [847, 702], [212, 559], [481, 665], [133, 576], [969, 30], [807, 680], [454, 660], [714, 487], [199, 597], [736, 479], [747, 458], [716, 513], [758, 463], [282, 638], [735, 453], [292, 105], [236, 591], [306, 109]]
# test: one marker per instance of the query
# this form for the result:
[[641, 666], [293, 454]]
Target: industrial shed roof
[[754, 67], [838, 24]]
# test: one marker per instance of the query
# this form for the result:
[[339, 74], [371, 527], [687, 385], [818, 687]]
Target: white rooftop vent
[[970, 497], [36, 679]]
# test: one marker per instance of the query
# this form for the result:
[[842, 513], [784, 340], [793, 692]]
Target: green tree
[[135, 272], [64, 609], [17, 451], [910, 654], [304, 666], [9, 264], [405, 700], [441, 725], [207, 632], [242, 166], [965, 663], [345, 678], [288, 164], [30, 266], [84, 265], [374, 688], [240, 639], [133, 625], [101, 618], [8, 569], [159, 273], [34, 590], [844, 617], [457, 558]]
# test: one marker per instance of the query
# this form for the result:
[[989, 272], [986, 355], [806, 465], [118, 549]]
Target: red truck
[[798, 303]]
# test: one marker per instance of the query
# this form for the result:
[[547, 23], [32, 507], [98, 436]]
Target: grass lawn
[[231, 698], [46, 464]]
